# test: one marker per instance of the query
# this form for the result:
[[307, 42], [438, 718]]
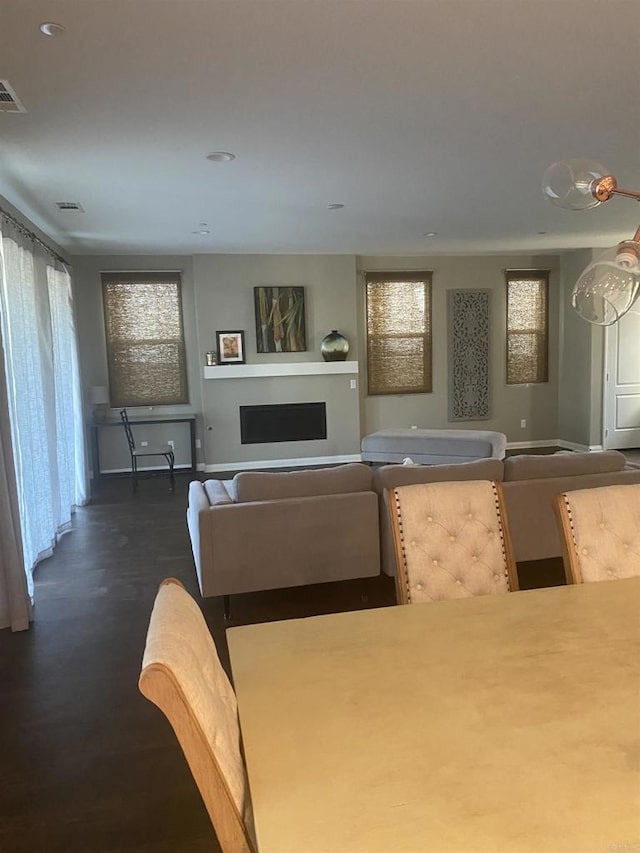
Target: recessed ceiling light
[[49, 28], [202, 229], [220, 156], [335, 206], [431, 234]]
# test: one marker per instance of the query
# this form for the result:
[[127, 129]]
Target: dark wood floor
[[87, 764]]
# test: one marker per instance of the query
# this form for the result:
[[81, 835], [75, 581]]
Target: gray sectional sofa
[[268, 530], [530, 484]]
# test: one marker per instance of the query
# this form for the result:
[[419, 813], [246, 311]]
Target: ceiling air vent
[[70, 205], [9, 102]]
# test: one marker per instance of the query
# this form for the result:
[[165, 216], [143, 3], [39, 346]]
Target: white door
[[622, 383]]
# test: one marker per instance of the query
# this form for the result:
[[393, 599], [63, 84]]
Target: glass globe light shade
[[608, 287], [569, 183]]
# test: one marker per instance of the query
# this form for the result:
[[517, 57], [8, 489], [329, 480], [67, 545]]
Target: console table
[[137, 420]]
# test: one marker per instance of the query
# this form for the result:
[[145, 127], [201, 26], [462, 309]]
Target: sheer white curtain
[[44, 392], [15, 605]]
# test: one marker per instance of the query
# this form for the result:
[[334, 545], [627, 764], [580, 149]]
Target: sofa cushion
[[536, 467], [216, 492], [390, 476], [268, 486]]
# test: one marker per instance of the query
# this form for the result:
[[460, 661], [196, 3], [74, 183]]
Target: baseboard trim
[[146, 468], [302, 462], [298, 462], [523, 445], [579, 448], [554, 442]]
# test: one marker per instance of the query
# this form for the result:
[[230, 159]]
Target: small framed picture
[[230, 347]]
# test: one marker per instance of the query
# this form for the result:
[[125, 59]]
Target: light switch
[[353, 384]]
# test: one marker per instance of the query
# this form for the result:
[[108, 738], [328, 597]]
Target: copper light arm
[[604, 188], [628, 193]]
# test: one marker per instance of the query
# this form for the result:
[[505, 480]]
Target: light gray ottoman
[[433, 446]]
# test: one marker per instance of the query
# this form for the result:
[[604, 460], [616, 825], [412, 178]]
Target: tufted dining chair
[[182, 675], [451, 541], [600, 532]]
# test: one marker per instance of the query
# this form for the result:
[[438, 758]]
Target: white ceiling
[[417, 115]]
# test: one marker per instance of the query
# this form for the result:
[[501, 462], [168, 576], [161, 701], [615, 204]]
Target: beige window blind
[[145, 338], [398, 332], [527, 326]]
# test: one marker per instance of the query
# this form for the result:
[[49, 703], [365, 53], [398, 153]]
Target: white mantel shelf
[[291, 368]]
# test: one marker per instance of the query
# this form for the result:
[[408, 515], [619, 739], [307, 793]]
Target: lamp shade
[[98, 395], [608, 287], [569, 183]]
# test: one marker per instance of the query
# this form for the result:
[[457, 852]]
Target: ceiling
[[417, 115]]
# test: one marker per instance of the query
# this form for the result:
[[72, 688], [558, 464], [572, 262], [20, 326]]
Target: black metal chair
[[166, 451]]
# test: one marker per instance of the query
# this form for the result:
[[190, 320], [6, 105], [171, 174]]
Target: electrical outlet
[[198, 444], [523, 423], [414, 427], [144, 444], [172, 444]]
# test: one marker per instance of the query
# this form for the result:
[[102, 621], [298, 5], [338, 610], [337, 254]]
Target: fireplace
[[283, 422]]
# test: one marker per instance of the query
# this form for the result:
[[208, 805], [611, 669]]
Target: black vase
[[334, 347]]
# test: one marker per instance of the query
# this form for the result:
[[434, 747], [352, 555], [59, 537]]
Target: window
[[145, 339], [527, 326], [398, 332]]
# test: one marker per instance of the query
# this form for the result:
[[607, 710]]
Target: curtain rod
[[32, 235]]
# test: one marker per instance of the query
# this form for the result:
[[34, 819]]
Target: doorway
[[621, 407]]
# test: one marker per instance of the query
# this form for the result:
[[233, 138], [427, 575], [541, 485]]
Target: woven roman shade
[[398, 332], [527, 326], [145, 338]]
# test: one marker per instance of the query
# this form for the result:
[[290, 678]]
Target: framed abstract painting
[[280, 320]]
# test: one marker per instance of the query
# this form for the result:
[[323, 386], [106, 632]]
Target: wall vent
[[70, 205], [9, 102]]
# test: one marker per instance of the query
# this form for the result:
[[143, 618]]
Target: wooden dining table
[[504, 723]]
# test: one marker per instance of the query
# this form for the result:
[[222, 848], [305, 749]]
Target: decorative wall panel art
[[468, 314]]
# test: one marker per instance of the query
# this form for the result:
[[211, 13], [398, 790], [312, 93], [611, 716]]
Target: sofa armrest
[[203, 497]]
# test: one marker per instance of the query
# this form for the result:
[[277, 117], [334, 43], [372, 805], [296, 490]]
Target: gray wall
[[218, 294], [224, 300], [114, 454], [537, 404], [581, 363]]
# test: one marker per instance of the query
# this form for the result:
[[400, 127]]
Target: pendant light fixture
[[609, 286]]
